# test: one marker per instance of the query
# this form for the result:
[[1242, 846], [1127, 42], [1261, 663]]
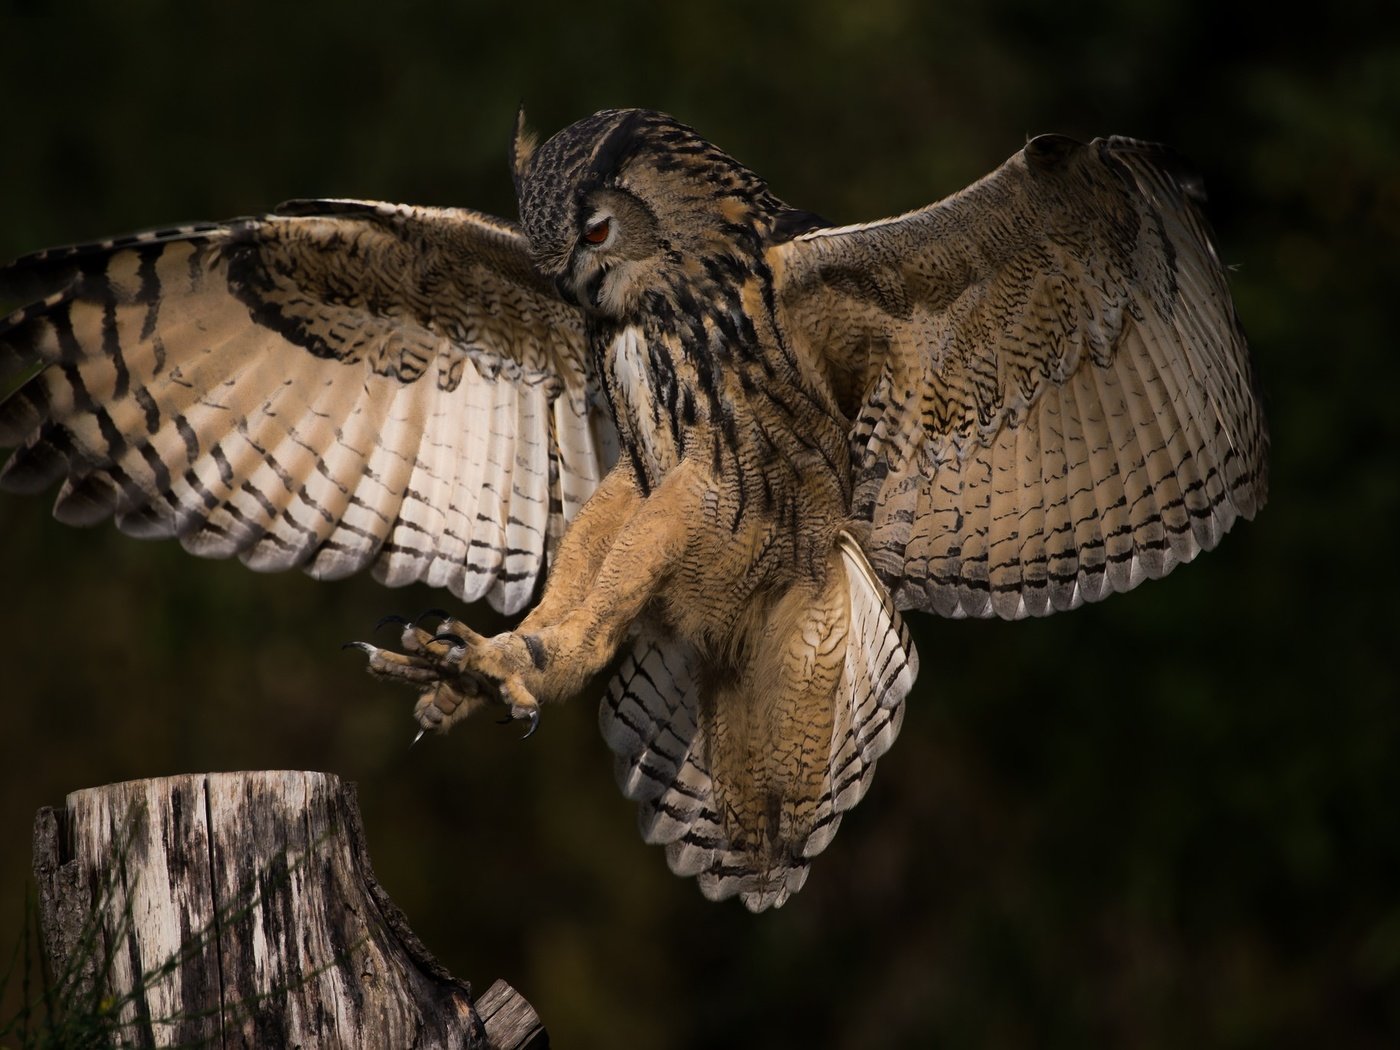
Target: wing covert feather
[[336, 385], [1050, 392]]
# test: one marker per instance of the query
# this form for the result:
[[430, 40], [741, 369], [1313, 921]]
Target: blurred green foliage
[[1170, 820]]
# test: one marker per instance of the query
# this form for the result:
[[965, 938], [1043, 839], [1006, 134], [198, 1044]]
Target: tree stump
[[240, 910]]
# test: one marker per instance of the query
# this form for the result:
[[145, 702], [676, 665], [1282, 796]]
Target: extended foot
[[458, 671]]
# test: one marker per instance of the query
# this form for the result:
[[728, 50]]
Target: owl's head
[[629, 202]]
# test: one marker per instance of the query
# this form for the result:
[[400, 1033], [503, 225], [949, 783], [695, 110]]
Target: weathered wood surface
[[240, 910]]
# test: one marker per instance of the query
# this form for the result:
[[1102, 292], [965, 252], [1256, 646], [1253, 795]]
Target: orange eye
[[597, 233]]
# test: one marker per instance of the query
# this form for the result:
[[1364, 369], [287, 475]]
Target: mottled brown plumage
[[740, 440]]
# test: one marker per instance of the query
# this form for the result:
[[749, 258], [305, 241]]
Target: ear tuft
[[523, 143]]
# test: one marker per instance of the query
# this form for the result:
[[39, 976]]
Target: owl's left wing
[[333, 386], [1050, 391]]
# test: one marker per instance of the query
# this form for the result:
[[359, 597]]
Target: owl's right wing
[[1049, 390], [335, 385]]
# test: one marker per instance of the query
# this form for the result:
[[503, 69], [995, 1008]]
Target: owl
[[719, 444]]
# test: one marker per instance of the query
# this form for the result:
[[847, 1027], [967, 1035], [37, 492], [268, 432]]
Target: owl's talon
[[452, 657], [534, 716], [385, 663], [441, 614], [522, 704], [390, 618], [445, 703]]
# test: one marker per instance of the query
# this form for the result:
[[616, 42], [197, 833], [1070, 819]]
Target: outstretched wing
[[334, 385], [1050, 391]]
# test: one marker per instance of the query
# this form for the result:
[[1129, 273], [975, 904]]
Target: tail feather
[[650, 716]]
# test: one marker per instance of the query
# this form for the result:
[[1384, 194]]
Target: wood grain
[[240, 910]]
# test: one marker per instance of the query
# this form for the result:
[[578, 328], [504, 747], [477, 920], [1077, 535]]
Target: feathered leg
[[613, 560]]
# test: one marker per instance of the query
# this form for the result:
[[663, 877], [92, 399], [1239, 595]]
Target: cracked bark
[[240, 910]]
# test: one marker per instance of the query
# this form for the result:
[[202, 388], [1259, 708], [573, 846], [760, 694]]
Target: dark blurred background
[[1169, 820]]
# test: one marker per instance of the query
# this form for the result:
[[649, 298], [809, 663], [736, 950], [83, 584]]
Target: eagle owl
[[723, 442]]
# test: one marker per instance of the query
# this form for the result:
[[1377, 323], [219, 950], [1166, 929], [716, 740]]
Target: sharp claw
[[534, 723], [391, 618], [364, 647], [441, 614], [417, 738], [457, 640]]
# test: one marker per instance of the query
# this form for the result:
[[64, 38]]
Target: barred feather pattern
[[1050, 392], [1027, 396], [650, 718], [337, 385]]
